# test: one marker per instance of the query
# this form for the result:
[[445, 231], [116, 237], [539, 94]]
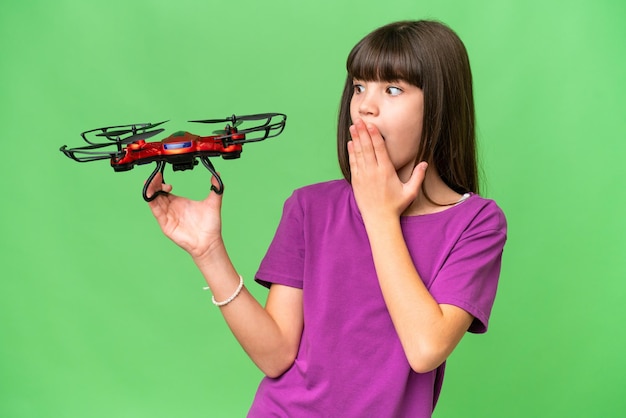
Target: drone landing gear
[[160, 167], [209, 166]]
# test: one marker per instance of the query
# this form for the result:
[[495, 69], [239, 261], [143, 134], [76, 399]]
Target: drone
[[127, 146]]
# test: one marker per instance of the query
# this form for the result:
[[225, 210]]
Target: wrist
[[213, 251], [380, 218], [381, 224]]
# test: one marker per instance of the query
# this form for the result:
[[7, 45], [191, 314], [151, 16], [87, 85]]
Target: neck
[[439, 196]]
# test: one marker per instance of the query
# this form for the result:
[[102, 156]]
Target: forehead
[[385, 57]]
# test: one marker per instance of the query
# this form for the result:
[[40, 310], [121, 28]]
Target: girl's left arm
[[428, 331]]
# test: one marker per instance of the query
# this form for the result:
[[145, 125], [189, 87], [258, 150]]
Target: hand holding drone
[[126, 145]]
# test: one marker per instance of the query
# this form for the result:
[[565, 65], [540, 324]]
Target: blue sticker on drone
[[176, 145]]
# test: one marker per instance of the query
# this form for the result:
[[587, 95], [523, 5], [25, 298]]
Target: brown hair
[[432, 57]]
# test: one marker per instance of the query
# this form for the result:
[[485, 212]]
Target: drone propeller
[[131, 129], [228, 128], [268, 129], [271, 129], [107, 133], [114, 133], [141, 136], [232, 119], [100, 151]]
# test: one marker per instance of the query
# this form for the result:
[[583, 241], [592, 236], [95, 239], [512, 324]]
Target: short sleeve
[[284, 261], [469, 277]]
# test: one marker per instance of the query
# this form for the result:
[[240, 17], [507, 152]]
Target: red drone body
[[180, 149], [126, 145]]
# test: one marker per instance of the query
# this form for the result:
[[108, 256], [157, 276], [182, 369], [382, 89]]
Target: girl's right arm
[[270, 335]]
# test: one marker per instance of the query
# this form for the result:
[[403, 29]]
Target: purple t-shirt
[[350, 362]]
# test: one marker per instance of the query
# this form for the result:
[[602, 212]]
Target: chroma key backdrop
[[102, 316]]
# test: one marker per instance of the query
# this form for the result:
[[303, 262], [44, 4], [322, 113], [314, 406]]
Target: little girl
[[373, 279]]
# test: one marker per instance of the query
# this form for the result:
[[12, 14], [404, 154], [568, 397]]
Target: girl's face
[[396, 109]]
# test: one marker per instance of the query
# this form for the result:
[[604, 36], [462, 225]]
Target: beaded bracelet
[[231, 298]]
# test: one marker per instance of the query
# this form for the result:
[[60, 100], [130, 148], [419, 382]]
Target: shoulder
[[473, 213], [320, 194], [482, 214], [471, 219], [332, 187], [322, 202], [480, 223]]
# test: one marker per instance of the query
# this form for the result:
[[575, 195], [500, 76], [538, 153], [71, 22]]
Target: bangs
[[385, 55]]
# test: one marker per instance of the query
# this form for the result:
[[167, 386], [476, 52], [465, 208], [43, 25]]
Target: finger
[[354, 170], [356, 143], [214, 181], [365, 139], [160, 192], [160, 204], [157, 184], [358, 161], [378, 145], [417, 177], [216, 184]]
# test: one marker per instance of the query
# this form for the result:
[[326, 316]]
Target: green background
[[102, 316]]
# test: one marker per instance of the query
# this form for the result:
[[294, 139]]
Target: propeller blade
[[258, 116], [138, 137], [227, 130], [115, 133], [128, 129], [230, 119], [154, 125]]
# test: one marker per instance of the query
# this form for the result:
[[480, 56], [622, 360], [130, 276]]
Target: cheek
[[415, 126]]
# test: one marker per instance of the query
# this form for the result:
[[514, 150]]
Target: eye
[[394, 91], [358, 88]]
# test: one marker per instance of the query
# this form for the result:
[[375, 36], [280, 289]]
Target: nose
[[368, 105]]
